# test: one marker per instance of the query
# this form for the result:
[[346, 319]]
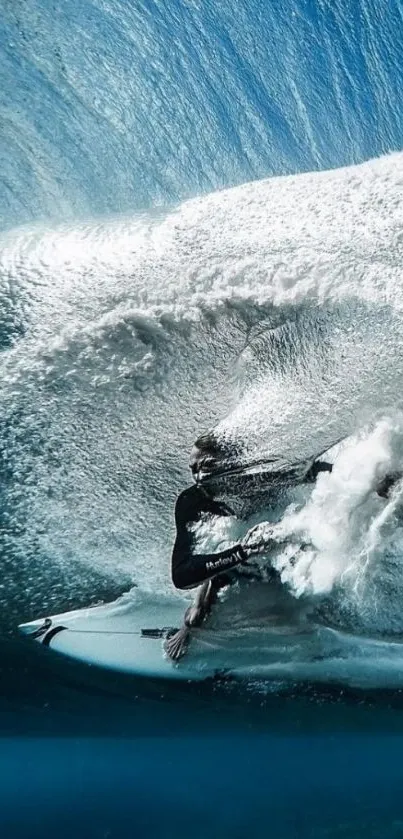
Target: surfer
[[212, 571]]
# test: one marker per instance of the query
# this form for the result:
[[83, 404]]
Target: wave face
[[109, 106]]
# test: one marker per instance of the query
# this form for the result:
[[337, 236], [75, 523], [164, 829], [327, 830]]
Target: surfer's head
[[208, 458], [222, 462]]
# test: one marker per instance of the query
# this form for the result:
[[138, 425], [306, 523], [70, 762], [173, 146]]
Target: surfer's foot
[[176, 645]]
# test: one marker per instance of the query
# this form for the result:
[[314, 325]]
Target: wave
[[124, 339], [104, 116]]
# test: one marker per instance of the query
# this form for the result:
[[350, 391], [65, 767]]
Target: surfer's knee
[[386, 485]]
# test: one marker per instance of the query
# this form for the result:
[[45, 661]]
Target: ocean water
[[200, 227]]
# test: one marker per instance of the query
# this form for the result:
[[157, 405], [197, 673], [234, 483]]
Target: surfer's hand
[[257, 541]]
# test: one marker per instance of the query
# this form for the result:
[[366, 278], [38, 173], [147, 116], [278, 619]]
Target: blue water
[[92, 754], [114, 107], [165, 787]]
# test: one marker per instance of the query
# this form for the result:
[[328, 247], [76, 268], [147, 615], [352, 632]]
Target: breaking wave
[[272, 310]]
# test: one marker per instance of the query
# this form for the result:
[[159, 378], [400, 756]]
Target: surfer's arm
[[317, 467], [216, 508], [383, 488], [189, 570]]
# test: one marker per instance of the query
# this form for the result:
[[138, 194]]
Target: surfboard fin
[[177, 643]]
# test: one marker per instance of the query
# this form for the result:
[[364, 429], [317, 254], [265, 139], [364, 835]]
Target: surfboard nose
[[36, 629], [31, 627]]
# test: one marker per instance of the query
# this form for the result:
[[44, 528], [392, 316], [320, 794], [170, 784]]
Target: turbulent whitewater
[[270, 311]]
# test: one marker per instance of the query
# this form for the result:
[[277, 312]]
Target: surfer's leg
[[387, 484], [176, 645], [200, 608]]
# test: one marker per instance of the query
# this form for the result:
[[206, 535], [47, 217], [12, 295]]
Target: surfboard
[[124, 635], [128, 636]]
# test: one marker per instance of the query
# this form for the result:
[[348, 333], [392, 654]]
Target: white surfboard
[[128, 635]]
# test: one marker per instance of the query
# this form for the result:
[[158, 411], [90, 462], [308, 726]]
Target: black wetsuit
[[212, 571], [190, 569]]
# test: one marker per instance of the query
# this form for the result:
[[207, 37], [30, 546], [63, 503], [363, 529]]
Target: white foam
[[318, 236], [344, 521], [128, 331]]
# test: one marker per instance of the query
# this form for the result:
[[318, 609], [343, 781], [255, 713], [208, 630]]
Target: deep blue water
[[91, 754], [168, 787], [112, 106], [94, 754]]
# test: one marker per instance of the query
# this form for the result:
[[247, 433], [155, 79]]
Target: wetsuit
[[208, 571], [190, 569]]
